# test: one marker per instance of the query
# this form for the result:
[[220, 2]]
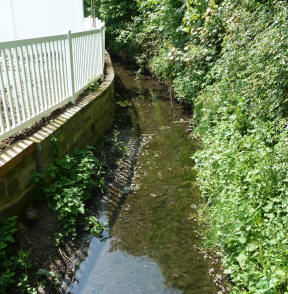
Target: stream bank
[[152, 241]]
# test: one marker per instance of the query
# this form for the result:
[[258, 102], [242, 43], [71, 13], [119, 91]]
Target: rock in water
[[31, 215], [164, 128]]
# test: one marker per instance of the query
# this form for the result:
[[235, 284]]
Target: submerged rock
[[31, 215], [137, 187], [164, 128]]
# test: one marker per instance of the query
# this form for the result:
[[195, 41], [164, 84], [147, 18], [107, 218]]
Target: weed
[[117, 146], [23, 284], [12, 263], [125, 103], [93, 86], [52, 276], [93, 226], [72, 181]]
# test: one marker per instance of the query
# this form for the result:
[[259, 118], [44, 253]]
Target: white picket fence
[[40, 75]]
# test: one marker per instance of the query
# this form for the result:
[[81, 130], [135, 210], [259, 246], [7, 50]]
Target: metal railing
[[40, 75]]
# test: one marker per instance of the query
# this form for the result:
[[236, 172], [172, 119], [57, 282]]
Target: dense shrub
[[242, 169]]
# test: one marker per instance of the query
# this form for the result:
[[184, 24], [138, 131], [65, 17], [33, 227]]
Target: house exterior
[[24, 19], [48, 57]]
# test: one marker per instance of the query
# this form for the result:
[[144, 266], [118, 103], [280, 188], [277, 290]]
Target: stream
[[152, 244]]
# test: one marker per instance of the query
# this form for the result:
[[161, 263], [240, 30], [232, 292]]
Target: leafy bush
[[74, 179], [243, 173], [93, 226], [117, 15], [12, 263]]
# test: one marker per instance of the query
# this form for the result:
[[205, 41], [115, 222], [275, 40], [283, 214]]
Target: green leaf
[[251, 247], [242, 258], [82, 210], [242, 240]]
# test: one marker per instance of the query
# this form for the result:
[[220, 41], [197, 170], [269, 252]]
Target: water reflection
[[108, 271]]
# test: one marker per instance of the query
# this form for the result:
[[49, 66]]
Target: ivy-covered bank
[[227, 59]]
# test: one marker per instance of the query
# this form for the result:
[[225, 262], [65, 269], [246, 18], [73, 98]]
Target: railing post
[[71, 67], [103, 47]]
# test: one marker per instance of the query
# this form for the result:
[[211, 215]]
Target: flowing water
[[151, 246]]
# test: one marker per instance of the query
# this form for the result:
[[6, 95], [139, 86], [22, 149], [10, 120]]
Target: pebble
[[164, 128], [137, 187], [126, 190], [181, 121]]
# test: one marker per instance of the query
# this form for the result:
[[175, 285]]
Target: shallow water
[[152, 243]]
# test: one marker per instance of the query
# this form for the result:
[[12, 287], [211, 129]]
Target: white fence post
[[103, 47], [71, 67]]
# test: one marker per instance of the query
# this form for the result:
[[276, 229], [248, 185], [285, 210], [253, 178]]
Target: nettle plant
[[74, 179]]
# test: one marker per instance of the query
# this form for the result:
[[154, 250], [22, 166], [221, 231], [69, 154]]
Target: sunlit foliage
[[228, 59]]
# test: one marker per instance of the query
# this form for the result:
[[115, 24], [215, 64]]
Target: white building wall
[[23, 19], [6, 25]]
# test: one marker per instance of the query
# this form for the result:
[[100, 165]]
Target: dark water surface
[[151, 246]]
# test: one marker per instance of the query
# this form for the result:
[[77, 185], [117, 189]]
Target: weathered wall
[[79, 125]]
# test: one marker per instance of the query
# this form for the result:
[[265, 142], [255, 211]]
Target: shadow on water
[[152, 243]]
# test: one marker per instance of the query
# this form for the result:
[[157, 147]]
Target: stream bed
[[152, 244]]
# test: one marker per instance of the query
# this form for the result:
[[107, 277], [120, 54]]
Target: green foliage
[[93, 226], [23, 284], [229, 59], [117, 145], [12, 263], [160, 36], [125, 103], [87, 7], [116, 14], [74, 179], [93, 86], [52, 276], [243, 173]]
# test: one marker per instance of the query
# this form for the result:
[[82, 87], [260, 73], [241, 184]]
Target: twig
[[64, 255]]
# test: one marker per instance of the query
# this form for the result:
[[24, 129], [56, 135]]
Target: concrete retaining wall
[[79, 125]]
